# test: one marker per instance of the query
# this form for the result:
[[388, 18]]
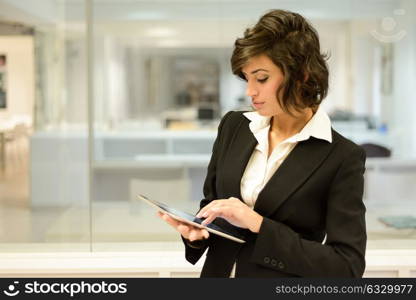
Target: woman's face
[[263, 79]]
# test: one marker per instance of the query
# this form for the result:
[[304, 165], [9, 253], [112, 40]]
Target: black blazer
[[316, 192]]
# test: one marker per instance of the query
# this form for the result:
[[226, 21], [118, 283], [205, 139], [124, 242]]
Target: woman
[[281, 174]]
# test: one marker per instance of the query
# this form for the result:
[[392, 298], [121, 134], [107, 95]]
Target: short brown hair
[[292, 44]]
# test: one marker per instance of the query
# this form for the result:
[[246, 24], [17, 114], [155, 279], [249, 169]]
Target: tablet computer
[[228, 231]]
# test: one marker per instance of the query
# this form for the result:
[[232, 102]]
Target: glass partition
[[160, 80], [44, 181]]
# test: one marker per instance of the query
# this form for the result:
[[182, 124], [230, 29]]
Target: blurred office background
[[101, 100]]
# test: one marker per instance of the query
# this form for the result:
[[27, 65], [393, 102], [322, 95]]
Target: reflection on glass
[[161, 82]]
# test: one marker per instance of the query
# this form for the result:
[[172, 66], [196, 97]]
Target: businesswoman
[[290, 183]]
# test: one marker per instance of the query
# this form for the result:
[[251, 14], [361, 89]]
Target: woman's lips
[[258, 104]]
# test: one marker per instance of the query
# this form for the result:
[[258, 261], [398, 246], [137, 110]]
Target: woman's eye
[[263, 80]]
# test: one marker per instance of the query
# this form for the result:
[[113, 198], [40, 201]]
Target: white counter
[[169, 262]]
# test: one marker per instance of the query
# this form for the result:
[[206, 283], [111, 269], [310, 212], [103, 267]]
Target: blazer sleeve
[[343, 254], [194, 250]]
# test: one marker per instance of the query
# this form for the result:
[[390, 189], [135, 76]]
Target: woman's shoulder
[[230, 123], [232, 118], [346, 145], [235, 116]]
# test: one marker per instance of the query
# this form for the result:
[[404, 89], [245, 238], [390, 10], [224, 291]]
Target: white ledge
[[166, 263]]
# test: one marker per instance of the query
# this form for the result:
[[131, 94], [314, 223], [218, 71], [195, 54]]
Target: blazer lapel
[[304, 159], [241, 148]]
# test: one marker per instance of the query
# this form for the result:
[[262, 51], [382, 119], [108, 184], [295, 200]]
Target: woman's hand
[[234, 211], [189, 232]]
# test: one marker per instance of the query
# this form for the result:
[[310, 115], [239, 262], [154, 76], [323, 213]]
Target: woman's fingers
[[218, 204], [205, 233], [210, 217], [197, 234], [194, 235], [171, 221], [189, 232], [207, 207]]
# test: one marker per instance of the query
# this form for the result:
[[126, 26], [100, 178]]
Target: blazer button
[[266, 259], [274, 262], [281, 265]]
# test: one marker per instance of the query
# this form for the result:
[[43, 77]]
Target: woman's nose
[[251, 91]]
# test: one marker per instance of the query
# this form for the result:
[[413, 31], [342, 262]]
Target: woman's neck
[[287, 125]]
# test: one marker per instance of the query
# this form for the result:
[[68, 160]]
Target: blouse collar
[[319, 126]]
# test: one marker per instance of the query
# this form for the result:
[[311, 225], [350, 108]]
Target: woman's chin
[[263, 113]]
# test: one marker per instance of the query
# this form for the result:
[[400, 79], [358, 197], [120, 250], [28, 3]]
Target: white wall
[[20, 76], [334, 39], [362, 64]]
